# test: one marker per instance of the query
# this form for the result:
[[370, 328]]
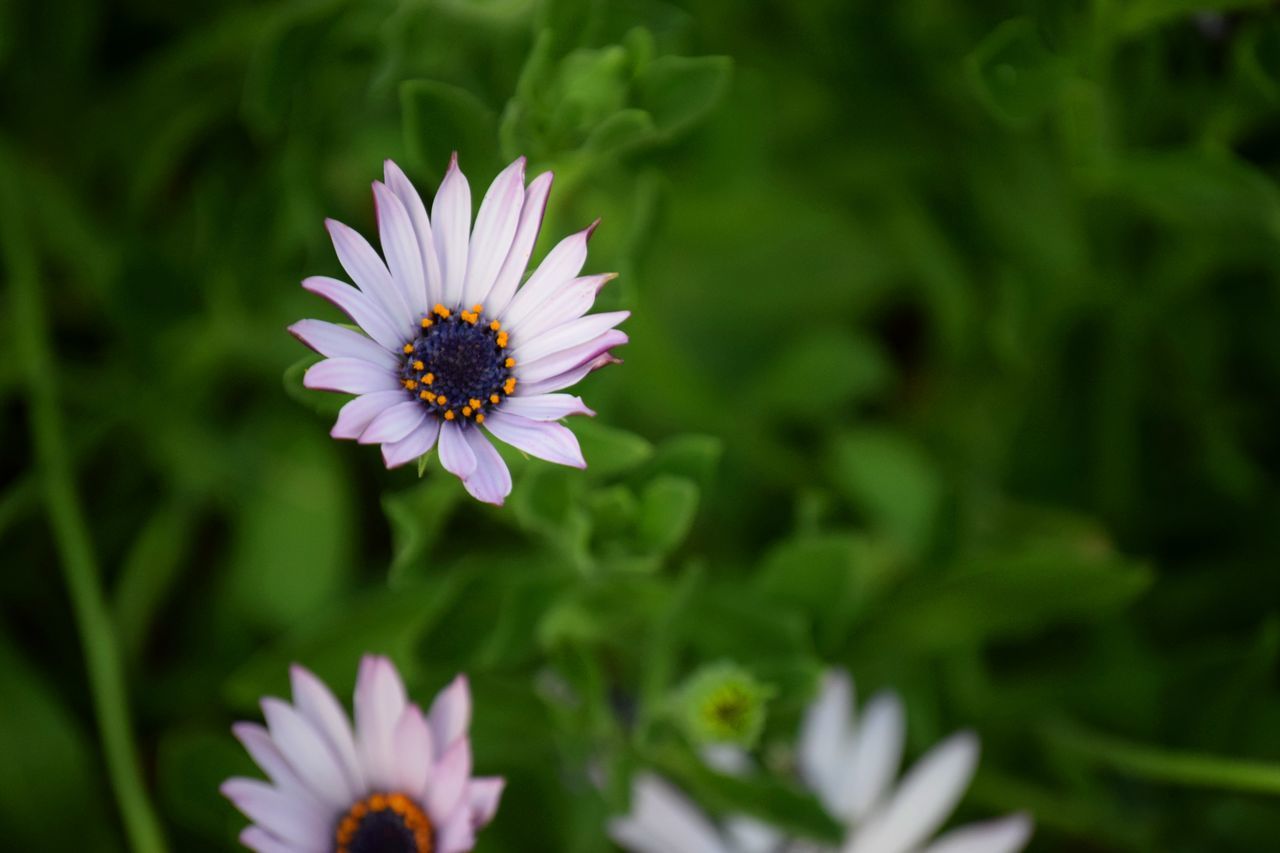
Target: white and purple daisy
[[851, 768], [453, 345], [399, 783]]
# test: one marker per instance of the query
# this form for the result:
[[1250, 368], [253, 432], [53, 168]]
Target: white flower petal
[[550, 441], [874, 756], [414, 752], [568, 302], [308, 754], [366, 312], [749, 835], [263, 750], [825, 733], [1006, 835], [299, 822], [551, 366], [450, 714], [457, 834], [562, 264], [662, 820], [451, 225], [517, 261], [348, 375], [334, 341], [495, 228], [318, 704], [258, 839], [379, 702], [400, 185], [546, 407], [483, 796], [927, 795], [568, 335], [369, 273], [491, 480], [412, 446], [354, 417], [400, 246], [394, 423], [570, 377], [448, 781], [456, 454]]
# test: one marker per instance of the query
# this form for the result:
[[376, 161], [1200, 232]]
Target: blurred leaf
[[190, 765], [440, 119], [827, 369], [1013, 74], [620, 133], [610, 451], [667, 509], [1131, 18], [417, 517], [893, 482], [696, 457], [323, 403], [679, 91]]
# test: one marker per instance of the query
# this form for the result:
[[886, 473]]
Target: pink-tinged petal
[[366, 313], [456, 454], [531, 372], [354, 417], [379, 702], [400, 246], [1006, 835], [413, 445], [264, 752], [517, 261], [569, 335], [483, 796], [561, 264], [448, 781], [369, 273], [457, 834], [450, 714], [412, 202], [350, 376], [318, 704], [308, 754], [490, 481], [451, 224], [334, 341], [663, 820], [414, 752], [258, 839], [546, 407], [394, 423], [302, 823], [550, 441], [495, 228], [569, 302], [569, 377]]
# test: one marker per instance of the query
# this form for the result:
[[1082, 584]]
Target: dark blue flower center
[[384, 823], [458, 367]]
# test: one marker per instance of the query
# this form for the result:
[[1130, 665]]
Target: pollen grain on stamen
[[459, 355]]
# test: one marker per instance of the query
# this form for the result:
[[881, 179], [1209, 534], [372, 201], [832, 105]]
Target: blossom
[[851, 768], [400, 782], [452, 348]]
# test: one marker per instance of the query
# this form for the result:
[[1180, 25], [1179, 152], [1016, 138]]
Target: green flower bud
[[723, 704]]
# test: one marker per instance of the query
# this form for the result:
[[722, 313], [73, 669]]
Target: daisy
[[399, 783], [851, 769], [453, 347]]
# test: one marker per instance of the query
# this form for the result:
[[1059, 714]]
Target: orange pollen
[[466, 411], [510, 385], [418, 365], [415, 820], [477, 308], [479, 418], [449, 415], [441, 310], [408, 349], [496, 326], [428, 379], [495, 399], [410, 384], [442, 399], [502, 339], [475, 404], [426, 323], [510, 362], [428, 396]]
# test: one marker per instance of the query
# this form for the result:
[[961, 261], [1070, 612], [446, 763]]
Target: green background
[[955, 360]]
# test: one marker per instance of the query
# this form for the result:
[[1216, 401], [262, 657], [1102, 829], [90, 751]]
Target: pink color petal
[[318, 704], [412, 202], [483, 795], [560, 265], [457, 834], [400, 246], [300, 822], [490, 481], [517, 261], [263, 750], [566, 336], [413, 445], [451, 223], [448, 781], [379, 702], [550, 441], [456, 454], [495, 229], [546, 407], [258, 839], [350, 376], [308, 754], [355, 416], [366, 313], [369, 272], [450, 714], [569, 377], [414, 752], [394, 423], [557, 363], [334, 341], [569, 302]]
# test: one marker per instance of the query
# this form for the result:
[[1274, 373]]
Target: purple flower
[[399, 783], [453, 346]]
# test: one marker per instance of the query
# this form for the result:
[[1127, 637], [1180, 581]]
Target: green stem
[[79, 564]]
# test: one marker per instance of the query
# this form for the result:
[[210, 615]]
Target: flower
[[851, 768], [723, 704], [451, 340], [400, 783]]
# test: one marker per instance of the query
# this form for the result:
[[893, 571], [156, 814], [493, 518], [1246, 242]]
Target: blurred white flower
[[852, 768]]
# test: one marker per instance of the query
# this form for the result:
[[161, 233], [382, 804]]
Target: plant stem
[[79, 564]]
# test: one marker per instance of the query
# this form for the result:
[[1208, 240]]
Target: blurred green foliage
[[955, 360]]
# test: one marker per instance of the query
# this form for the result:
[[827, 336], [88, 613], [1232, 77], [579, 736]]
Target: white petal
[[662, 820], [296, 821], [394, 423], [355, 416], [874, 757], [451, 224], [495, 228], [824, 735], [369, 273], [258, 839], [749, 835], [491, 480], [568, 302], [570, 377], [568, 335], [457, 834], [546, 407], [350, 376], [927, 795], [450, 714], [400, 246], [366, 312], [263, 750], [414, 752], [318, 704], [334, 341], [380, 700], [1006, 835], [517, 261], [413, 445], [561, 264], [456, 454], [529, 373], [400, 185], [448, 781], [550, 441], [483, 796], [308, 754]]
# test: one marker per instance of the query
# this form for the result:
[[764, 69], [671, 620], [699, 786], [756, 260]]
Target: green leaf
[[826, 369], [620, 133], [696, 457], [893, 482], [680, 91], [417, 517], [667, 509], [1135, 16], [1014, 75], [440, 119], [190, 765], [610, 451], [324, 403]]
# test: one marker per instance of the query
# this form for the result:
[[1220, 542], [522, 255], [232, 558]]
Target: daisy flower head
[[399, 782], [452, 348], [851, 766]]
